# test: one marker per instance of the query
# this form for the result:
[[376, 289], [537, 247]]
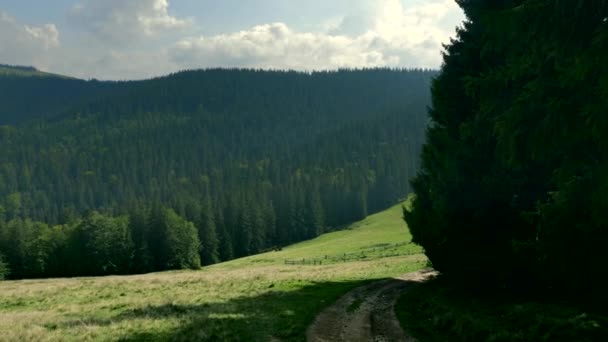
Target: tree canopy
[[511, 191]]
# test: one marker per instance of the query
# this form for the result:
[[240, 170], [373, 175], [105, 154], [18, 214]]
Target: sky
[[136, 39]]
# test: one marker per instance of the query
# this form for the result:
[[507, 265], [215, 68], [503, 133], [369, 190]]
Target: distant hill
[[28, 94], [25, 71]]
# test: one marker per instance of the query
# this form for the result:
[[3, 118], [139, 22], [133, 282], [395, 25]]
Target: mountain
[[255, 159], [25, 71], [27, 93]]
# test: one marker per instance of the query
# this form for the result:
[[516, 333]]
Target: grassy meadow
[[258, 298], [376, 230]]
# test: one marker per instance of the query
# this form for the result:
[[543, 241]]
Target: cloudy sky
[[133, 39]]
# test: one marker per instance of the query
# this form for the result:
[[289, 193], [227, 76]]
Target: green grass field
[[386, 227], [258, 298]]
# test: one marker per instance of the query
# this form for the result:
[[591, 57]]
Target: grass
[[258, 298], [434, 311], [376, 230], [355, 305]]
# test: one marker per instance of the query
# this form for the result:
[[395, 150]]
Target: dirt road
[[366, 313]]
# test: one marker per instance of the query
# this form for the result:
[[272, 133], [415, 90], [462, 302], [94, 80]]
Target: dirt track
[[365, 313]]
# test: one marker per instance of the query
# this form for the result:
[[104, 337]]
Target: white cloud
[[113, 64], [120, 32], [387, 35], [125, 21], [23, 44], [277, 46]]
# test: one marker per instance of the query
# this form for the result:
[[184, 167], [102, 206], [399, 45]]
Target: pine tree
[[208, 235], [513, 172], [245, 228], [143, 260], [270, 224], [316, 217], [258, 229], [4, 268], [226, 248], [157, 240]]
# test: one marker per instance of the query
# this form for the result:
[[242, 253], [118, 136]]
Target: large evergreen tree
[[207, 233], [511, 187]]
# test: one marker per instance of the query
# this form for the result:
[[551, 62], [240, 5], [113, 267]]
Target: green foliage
[[4, 269], [107, 244], [181, 238], [139, 221], [26, 246], [149, 239], [512, 187], [207, 233], [435, 311]]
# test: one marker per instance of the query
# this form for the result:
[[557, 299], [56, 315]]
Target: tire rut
[[366, 313]]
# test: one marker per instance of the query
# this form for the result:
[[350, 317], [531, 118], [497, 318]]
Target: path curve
[[366, 313]]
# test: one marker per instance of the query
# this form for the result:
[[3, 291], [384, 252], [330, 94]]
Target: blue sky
[[126, 39]]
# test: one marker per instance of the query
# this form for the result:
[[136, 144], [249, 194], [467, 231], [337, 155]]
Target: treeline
[[512, 191], [100, 244], [270, 158]]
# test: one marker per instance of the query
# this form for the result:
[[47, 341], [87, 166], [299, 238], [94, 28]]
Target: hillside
[[24, 71], [28, 94], [252, 299], [246, 160], [378, 234]]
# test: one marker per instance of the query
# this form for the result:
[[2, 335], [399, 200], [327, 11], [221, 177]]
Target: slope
[[27, 94], [25, 71], [252, 299], [382, 231]]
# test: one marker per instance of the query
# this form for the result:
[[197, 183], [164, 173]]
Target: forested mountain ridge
[[28, 94], [248, 160]]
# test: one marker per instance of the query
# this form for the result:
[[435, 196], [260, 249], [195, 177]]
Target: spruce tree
[[208, 235], [513, 171], [4, 268]]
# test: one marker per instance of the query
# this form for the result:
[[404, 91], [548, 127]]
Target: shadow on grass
[[436, 311], [284, 315]]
